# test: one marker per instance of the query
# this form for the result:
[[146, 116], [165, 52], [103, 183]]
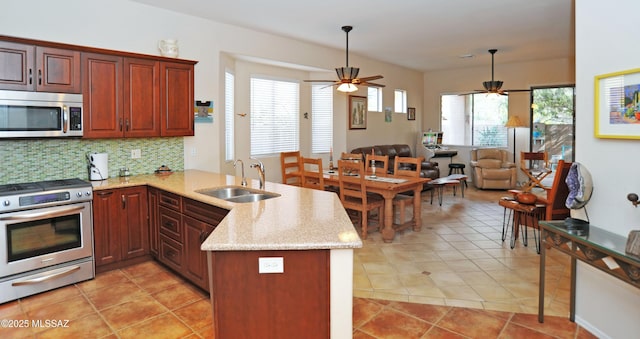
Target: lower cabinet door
[[195, 266]]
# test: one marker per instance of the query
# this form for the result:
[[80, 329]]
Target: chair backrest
[[291, 166], [351, 156], [312, 176], [382, 164], [407, 167], [353, 192], [534, 160], [557, 195]]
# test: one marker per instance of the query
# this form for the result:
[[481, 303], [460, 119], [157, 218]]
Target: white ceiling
[[419, 34]]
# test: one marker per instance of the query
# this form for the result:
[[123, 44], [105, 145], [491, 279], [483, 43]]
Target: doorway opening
[[553, 122]]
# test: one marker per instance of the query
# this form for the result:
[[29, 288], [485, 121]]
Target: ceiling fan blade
[[516, 90], [476, 91], [373, 77], [319, 81], [371, 84]]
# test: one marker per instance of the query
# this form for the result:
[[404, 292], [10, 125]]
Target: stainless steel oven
[[46, 232]]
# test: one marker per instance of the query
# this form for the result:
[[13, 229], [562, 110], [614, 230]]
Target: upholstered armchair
[[491, 169]]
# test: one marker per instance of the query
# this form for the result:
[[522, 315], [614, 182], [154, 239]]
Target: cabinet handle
[[127, 125], [120, 121], [30, 76], [39, 77], [168, 224], [124, 202]]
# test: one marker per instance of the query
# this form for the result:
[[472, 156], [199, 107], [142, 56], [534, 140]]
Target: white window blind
[[374, 102], [229, 109], [274, 116], [321, 118], [400, 101]]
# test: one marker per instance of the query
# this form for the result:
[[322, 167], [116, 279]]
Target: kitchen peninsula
[[280, 267]]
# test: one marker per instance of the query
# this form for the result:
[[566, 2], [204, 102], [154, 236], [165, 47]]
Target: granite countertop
[[299, 219]]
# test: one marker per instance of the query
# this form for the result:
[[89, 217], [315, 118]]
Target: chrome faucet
[[244, 179], [260, 166]]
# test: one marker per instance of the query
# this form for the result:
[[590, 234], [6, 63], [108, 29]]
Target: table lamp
[[514, 122]]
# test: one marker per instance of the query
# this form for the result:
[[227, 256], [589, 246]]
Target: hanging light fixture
[[347, 87]]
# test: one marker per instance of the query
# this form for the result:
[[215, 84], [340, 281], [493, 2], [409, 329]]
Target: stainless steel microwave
[[40, 115]]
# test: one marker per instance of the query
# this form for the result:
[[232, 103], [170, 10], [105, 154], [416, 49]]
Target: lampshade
[[514, 122], [347, 87]]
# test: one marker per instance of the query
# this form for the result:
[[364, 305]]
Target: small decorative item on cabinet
[[168, 48], [163, 170], [526, 198]]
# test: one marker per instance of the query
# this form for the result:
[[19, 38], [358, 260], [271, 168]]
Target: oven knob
[[6, 202], [87, 193], [79, 194]]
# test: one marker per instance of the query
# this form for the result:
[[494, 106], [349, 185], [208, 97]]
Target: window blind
[[229, 109], [274, 116], [321, 118]]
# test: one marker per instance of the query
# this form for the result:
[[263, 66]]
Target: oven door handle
[[38, 216], [40, 279]]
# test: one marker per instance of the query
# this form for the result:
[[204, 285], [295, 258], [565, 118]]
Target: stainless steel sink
[[237, 194], [253, 197]]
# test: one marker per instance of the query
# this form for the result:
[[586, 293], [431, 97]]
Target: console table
[[596, 247]]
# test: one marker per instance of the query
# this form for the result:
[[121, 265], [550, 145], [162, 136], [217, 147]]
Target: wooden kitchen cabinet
[[120, 222], [102, 95], [26, 67], [154, 214], [134, 97], [182, 225], [177, 99]]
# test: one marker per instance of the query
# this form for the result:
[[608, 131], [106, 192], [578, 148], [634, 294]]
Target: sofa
[[491, 169], [428, 169]]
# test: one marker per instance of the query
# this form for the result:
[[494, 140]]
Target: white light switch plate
[[271, 265]]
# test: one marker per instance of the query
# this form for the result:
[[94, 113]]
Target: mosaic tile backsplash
[[48, 159]]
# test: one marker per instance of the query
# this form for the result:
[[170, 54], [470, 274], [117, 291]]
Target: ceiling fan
[[494, 86], [348, 76]]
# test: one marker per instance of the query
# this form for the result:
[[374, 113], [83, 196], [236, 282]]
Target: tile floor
[[454, 279]]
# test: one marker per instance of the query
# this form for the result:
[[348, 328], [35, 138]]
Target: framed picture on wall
[[411, 113], [617, 105], [357, 112]]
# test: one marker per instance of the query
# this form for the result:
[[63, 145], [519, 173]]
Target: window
[[400, 101], [229, 109], [321, 118], [374, 99], [474, 119], [274, 116]]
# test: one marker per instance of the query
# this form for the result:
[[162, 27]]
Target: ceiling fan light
[[347, 87], [492, 86], [347, 73]]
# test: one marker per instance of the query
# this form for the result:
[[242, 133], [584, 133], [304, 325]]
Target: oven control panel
[[42, 199]]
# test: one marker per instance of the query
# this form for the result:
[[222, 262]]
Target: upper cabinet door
[[102, 96], [31, 68], [17, 66], [58, 70], [141, 97], [177, 105]]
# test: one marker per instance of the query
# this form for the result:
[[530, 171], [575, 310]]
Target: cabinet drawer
[[171, 200], [170, 224], [171, 253], [204, 212]]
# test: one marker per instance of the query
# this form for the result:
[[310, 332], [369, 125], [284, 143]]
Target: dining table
[[388, 187]]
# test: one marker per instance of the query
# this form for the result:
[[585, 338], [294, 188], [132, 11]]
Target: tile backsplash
[[24, 160]]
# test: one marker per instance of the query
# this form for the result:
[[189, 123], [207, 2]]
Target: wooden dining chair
[[405, 167], [312, 176], [291, 166], [353, 194], [351, 156], [557, 195], [381, 161]]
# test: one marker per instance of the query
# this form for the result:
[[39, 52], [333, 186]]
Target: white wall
[[133, 27], [605, 44]]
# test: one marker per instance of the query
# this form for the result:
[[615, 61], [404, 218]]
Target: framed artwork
[[411, 113], [357, 112], [203, 111], [617, 105]]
